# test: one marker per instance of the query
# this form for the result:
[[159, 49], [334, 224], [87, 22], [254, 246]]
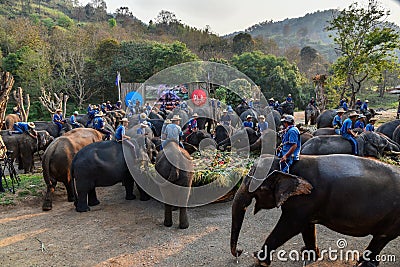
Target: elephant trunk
[[240, 203]]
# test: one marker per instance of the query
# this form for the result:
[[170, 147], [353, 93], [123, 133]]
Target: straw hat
[[361, 116], [143, 116], [366, 101], [195, 115], [224, 111], [261, 117], [58, 110], [249, 116], [352, 114], [31, 125], [76, 112], [176, 118], [100, 114], [340, 110], [167, 121], [124, 120], [373, 119]]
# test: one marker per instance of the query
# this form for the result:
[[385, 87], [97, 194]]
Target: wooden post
[[6, 84], [18, 96]]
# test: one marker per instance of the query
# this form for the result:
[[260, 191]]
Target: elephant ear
[[287, 185]]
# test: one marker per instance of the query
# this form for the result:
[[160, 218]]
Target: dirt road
[[130, 233]]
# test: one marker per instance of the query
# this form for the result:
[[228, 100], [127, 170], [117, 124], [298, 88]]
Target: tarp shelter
[[396, 90]]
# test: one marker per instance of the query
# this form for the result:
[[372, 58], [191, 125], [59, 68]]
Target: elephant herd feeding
[[325, 179]]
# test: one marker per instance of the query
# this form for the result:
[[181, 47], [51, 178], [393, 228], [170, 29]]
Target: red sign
[[199, 97]]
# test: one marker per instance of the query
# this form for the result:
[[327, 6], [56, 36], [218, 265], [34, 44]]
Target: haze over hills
[[308, 30]]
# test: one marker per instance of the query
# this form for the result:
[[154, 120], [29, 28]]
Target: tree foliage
[[365, 44]]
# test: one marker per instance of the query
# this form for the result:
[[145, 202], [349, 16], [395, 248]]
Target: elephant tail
[[46, 168]]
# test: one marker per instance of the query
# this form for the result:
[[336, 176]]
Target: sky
[[228, 16]]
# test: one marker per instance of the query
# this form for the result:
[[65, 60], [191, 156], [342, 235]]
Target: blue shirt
[[262, 126], [364, 107], [119, 132], [57, 118], [248, 124], [369, 127], [289, 138], [72, 119], [337, 120], [289, 99], [359, 124], [192, 124], [347, 124], [23, 126], [172, 132], [141, 130], [98, 123], [345, 107]]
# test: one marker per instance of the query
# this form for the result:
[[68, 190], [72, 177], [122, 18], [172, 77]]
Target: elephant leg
[[375, 247], [143, 195], [183, 218], [167, 215], [93, 201], [309, 235], [289, 225], [128, 183], [70, 191], [48, 199], [81, 203]]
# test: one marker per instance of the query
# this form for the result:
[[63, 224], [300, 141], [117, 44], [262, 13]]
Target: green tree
[[242, 42], [275, 75], [365, 43]]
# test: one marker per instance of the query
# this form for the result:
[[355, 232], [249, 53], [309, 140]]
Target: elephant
[[324, 131], [52, 128], [222, 132], [240, 139], [310, 114], [103, 164], [155, 116], [57, 159], [23, 147], [370, 144], [396, 135], [388, 128], [312, 194], [174, 164], [9, 121], [287, 108], [324, 120], [195, 138]]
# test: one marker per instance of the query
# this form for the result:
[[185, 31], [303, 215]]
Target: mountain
[[300, 32]]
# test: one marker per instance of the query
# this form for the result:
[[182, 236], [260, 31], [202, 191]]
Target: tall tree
[[365, 43], [242, 42]]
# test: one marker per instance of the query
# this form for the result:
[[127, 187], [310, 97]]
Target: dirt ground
[[119, 232]]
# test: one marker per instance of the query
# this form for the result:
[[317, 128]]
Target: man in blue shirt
[[72, 120], [364, 107], [225, 118], [120, 132], [173, 131], [24, 127], [358, 104], [344, 105], [142, 129], [262, 125], [289, 98], [370, 126], [98, 124], [337, 120], [192, 124], [347, 133], [360, 123], [58, 119], [271, 102], [290, 148], [92, 111], [248, 122]]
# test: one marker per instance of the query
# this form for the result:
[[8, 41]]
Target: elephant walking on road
[[323, 190], [174, 164]]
